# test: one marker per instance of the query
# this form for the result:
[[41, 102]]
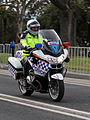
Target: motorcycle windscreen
[[57, 76], [54, 48], [53, 45], [50, 35]]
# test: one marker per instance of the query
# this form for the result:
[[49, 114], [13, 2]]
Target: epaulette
[[25, 32], [23, 35]]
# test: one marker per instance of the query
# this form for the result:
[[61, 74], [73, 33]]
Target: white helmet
[[33, 26]]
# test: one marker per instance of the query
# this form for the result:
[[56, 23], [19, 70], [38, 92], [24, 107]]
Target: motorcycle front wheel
[[24, 89], [56, 90]]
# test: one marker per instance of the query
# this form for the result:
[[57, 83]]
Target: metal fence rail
[[79, 58]]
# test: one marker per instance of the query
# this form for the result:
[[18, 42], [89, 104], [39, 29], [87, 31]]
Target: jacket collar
[[34, 35]]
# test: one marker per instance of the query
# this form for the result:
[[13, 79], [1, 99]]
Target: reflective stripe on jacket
[[28, 39]]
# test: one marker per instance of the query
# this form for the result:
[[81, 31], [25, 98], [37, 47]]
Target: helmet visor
[[35, 28]]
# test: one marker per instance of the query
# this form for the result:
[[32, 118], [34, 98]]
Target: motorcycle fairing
[[41, 67], [11, 69], [53, 43], [57, 76], [15, 67], [54, 48]]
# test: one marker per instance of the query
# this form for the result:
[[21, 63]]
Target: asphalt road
[[77, 97]]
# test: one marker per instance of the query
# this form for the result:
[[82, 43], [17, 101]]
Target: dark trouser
[[13, 51], [26, 66]]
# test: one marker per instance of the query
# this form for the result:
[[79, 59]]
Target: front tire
[[56, 90]]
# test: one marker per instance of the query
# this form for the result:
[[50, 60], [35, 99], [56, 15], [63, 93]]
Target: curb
[[78, 75], [4, 66]]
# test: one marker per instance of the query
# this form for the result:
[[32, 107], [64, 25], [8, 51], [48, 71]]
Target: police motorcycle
[[46, 67]]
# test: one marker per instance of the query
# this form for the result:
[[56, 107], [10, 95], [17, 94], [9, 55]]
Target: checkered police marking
[[30, 58], [11, 69], [40, 67], [19, 55], [43, 65], [41, 72]]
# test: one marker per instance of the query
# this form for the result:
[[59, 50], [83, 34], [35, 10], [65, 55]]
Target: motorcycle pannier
[[15, 67]]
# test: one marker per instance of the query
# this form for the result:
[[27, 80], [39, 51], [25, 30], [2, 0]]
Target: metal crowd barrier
[[79, 58]]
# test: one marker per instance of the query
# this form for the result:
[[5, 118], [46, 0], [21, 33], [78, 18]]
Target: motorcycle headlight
[[51, 59], [61, 59]]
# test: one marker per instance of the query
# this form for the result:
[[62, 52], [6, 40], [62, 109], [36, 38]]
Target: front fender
[[57, 76]]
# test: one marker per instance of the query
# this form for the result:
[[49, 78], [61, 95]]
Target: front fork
[[49, 79], [64, 72], [57, 76]]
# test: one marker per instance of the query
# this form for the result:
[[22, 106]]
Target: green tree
[[49, 18], [7, 25], [21, 11], [83, 22], [22, 8], [73, 14]]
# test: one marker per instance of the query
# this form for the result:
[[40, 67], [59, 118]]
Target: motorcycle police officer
[[29, 38]]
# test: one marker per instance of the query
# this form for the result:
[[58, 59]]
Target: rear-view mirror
[[66, 44]]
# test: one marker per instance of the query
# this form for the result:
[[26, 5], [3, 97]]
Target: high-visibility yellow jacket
[[27, 39]]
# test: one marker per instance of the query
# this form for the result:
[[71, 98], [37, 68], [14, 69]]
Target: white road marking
[[47, 107]]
